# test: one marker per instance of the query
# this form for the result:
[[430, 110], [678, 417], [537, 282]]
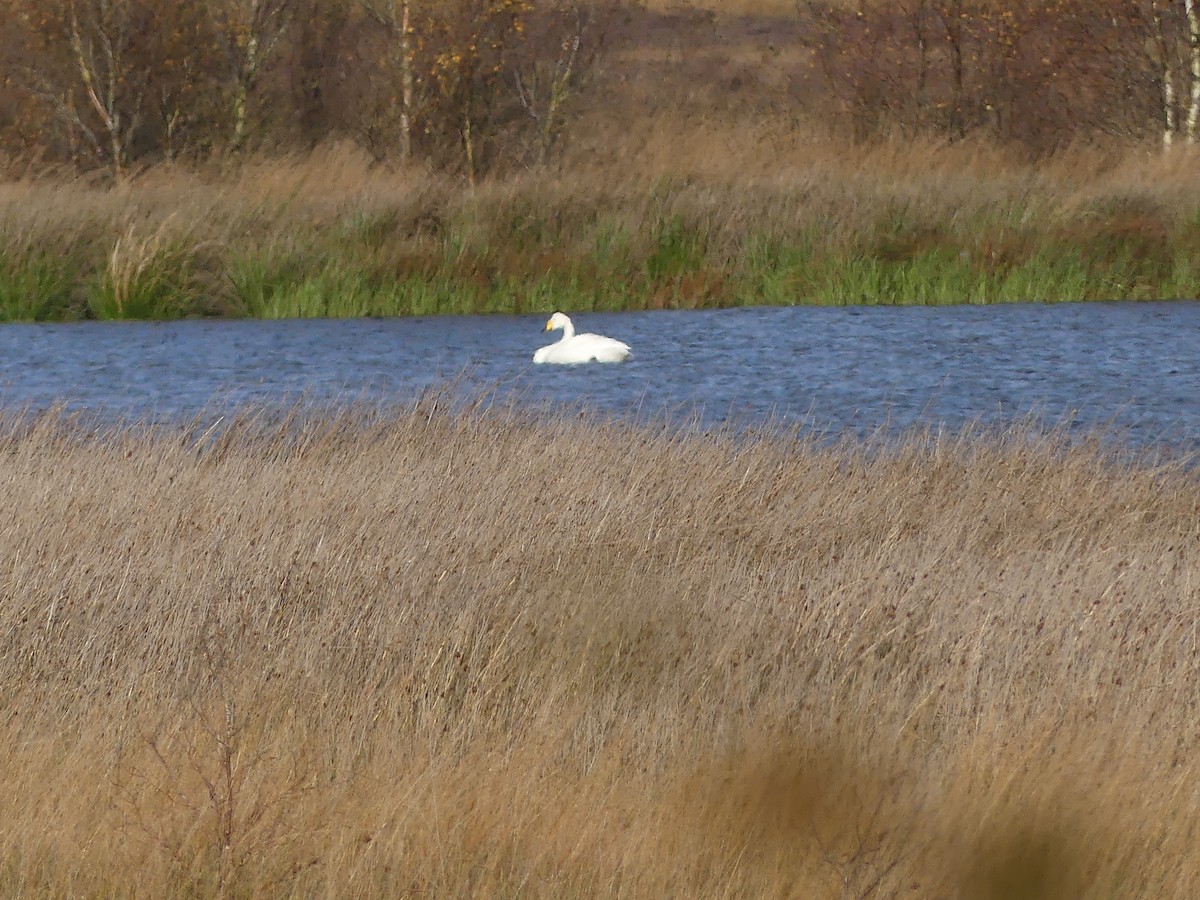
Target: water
[[1133, 368]]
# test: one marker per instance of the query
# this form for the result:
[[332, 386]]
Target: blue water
[[1130, 368]]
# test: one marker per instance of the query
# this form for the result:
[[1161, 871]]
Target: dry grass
[[775, 183], [421, 654], [644, 222], [728, 7]]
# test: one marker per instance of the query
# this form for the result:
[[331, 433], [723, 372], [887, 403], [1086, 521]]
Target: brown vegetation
[[479, 86], [422, 654], [321, 157]]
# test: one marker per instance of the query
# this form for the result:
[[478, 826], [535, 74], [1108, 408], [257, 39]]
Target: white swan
[[579, 348]]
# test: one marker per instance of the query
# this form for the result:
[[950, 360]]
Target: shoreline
[[332, 235]]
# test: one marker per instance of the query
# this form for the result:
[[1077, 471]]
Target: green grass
[[371, 262], [35, 288], [148, 277], [259, 285]]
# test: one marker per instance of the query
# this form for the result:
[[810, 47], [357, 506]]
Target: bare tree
[[473, 41], [251, 31], [953, 17], [1165, 34], [99, 34], [547, 82], [1166, 72], [1193, 21], [396, 17]]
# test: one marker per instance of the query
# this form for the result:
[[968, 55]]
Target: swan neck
[[568, 331]]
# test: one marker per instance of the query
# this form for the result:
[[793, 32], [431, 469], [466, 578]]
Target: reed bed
[[474, 653], [648, 221]]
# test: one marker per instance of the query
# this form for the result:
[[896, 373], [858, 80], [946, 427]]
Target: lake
[[1133, 368]]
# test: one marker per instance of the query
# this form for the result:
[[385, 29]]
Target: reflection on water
[[1131, 367]]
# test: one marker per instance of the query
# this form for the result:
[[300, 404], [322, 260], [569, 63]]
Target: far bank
[[331, 234]]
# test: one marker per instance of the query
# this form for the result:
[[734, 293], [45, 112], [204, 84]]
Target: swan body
[[579, 348]]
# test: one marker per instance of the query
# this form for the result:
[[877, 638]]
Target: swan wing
[[604, 349], [583, 348]]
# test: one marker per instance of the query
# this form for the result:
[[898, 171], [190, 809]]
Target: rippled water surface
[[1131, 367]]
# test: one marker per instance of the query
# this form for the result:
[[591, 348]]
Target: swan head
[[557, 321]]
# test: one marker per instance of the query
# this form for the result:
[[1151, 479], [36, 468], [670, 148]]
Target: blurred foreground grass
[[414, 654]]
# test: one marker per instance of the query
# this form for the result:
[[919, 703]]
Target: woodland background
[[483, 86], [390, 157]]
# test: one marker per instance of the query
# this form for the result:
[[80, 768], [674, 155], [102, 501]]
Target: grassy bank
[[332, 235], [419, 656]]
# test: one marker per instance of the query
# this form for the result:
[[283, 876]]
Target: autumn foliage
[[1037, 74], [473, 87], [114, 83]]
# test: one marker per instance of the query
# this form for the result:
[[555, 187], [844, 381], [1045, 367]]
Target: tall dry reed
[[783, 218], [423, 653]]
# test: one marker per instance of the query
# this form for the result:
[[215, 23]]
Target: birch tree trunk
[[1166, 73], [247, 68], [98, 46], [407, 82], [396, 17], [468, 139], [1193, 20], [252, 30]]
